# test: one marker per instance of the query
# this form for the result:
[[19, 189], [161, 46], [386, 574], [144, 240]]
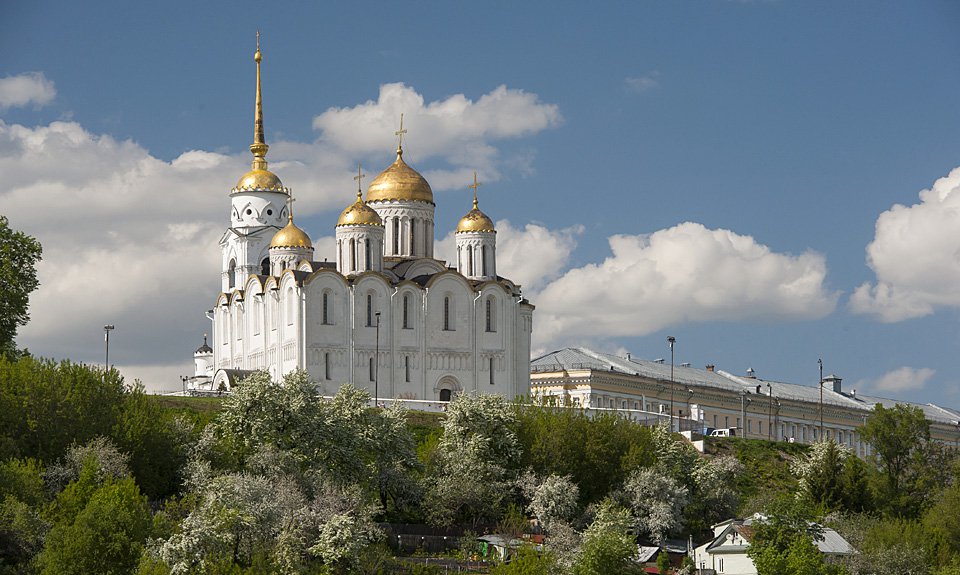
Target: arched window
[[447, 305], [366, 255], [483, 260], [406, 311], [265, 266], [406, 368], [470, 261], [491, 315], [396, 236], [491, 371], [353, 255], [369, 310], [325, 309], [326, 365], [372, 369], [413, 237], [232, 274], [290, 306]]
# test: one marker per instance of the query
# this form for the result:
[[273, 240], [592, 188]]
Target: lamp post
[[106, 338], [671, 340], [820, 433], [769, 410], [744, 400], [376, 364]]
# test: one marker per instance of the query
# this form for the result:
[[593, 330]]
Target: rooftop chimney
[[832, 382], [711, 367]]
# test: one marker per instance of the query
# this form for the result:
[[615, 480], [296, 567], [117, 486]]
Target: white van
[[727, 432]]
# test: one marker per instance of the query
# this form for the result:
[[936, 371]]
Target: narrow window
[[726, 421], [289, 307], [406, 368], [714, 421], [326, 365], [396, 236], [413, 237], [470, 261], [491, 371], [406, 311], [353, 255], [326, 309], [446, 314], [265, 267], [483, 259], [369, 310], [232, 271], [366, 255], [371, 369]]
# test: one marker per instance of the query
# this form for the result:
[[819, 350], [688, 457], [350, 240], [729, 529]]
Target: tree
[[527, 562], [898, 436], [107, 536], [656, 501], [19, 254], [552, 498], [608, 547], [783, 541]]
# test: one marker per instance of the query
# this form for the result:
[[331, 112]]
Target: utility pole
[[769, 410], [376, 364], [671, 340]]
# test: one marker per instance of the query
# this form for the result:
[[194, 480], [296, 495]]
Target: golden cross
[[475, 185], [400, 134], [290, 200], [359, 178], [258, 40]]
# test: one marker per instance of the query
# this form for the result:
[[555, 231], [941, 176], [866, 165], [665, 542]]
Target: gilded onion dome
[[360, 214], [259, 178], [291, 237], [475, 221], [399, 182]]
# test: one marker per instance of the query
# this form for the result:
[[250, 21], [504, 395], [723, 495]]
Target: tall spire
[[359, 178], [475, 185], [259, 147]]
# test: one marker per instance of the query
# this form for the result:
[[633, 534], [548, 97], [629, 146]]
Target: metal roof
[[576, 358]]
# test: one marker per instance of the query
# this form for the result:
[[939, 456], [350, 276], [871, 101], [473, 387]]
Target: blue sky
[[742, 152]]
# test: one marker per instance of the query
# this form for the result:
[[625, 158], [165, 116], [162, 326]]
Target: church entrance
[[447, 387], [445, 394]]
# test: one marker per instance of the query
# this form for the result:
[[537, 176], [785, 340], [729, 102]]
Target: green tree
[[19, 254], [107, 536], [608, 546], [527, 562], [899, 437]]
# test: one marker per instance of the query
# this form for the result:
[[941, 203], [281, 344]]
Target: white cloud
[[457, 130], [915, 255], [131, 239], [686, 273], [528, 256], [899, 380], [640, 84], [32, 88]]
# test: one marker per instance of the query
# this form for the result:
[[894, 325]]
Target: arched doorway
[[447, 387]]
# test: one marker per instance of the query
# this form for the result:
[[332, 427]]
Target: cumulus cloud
[[456, 129], [640, 84], [899, 380], [131, 239], [31, 88], [915, 254], [685, 273], [529, 256]]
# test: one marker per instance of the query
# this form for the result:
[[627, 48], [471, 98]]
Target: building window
[[369, 310], [396, 236], [760, 427], [406, 311], [749, 426], [232, 274], [290, 307], [413, 237], [372, 373], [366, 255], [446, 314], [325, 309], [483, 260], [353, 255], [326, 365], [491, 371], [265, 267], [470, 261], [406, 368], [714, 421], [491, 317], [738, 423]]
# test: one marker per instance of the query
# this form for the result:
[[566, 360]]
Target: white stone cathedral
[[386, 316]]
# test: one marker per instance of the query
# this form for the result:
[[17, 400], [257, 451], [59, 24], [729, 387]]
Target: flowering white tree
[[552, 499], [656, 500], [476, 456]]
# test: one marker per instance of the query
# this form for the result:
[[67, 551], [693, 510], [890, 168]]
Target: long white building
[[383, 314]]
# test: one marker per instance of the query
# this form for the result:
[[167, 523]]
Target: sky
[[771, 182]]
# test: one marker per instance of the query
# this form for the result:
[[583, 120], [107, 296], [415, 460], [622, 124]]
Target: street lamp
[[744, 400], [671, 340], [376, 364], [769, 409], [106, 338], [820, 433]]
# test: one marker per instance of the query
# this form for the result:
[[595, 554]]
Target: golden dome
[[399, 182], [291, 237], [359, 214], [260, 180], [475, 221]]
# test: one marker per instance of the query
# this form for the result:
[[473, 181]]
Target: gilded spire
[[475, 185], [259, 147], [399, 133]]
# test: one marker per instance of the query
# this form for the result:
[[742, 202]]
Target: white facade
[[383, 315]]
